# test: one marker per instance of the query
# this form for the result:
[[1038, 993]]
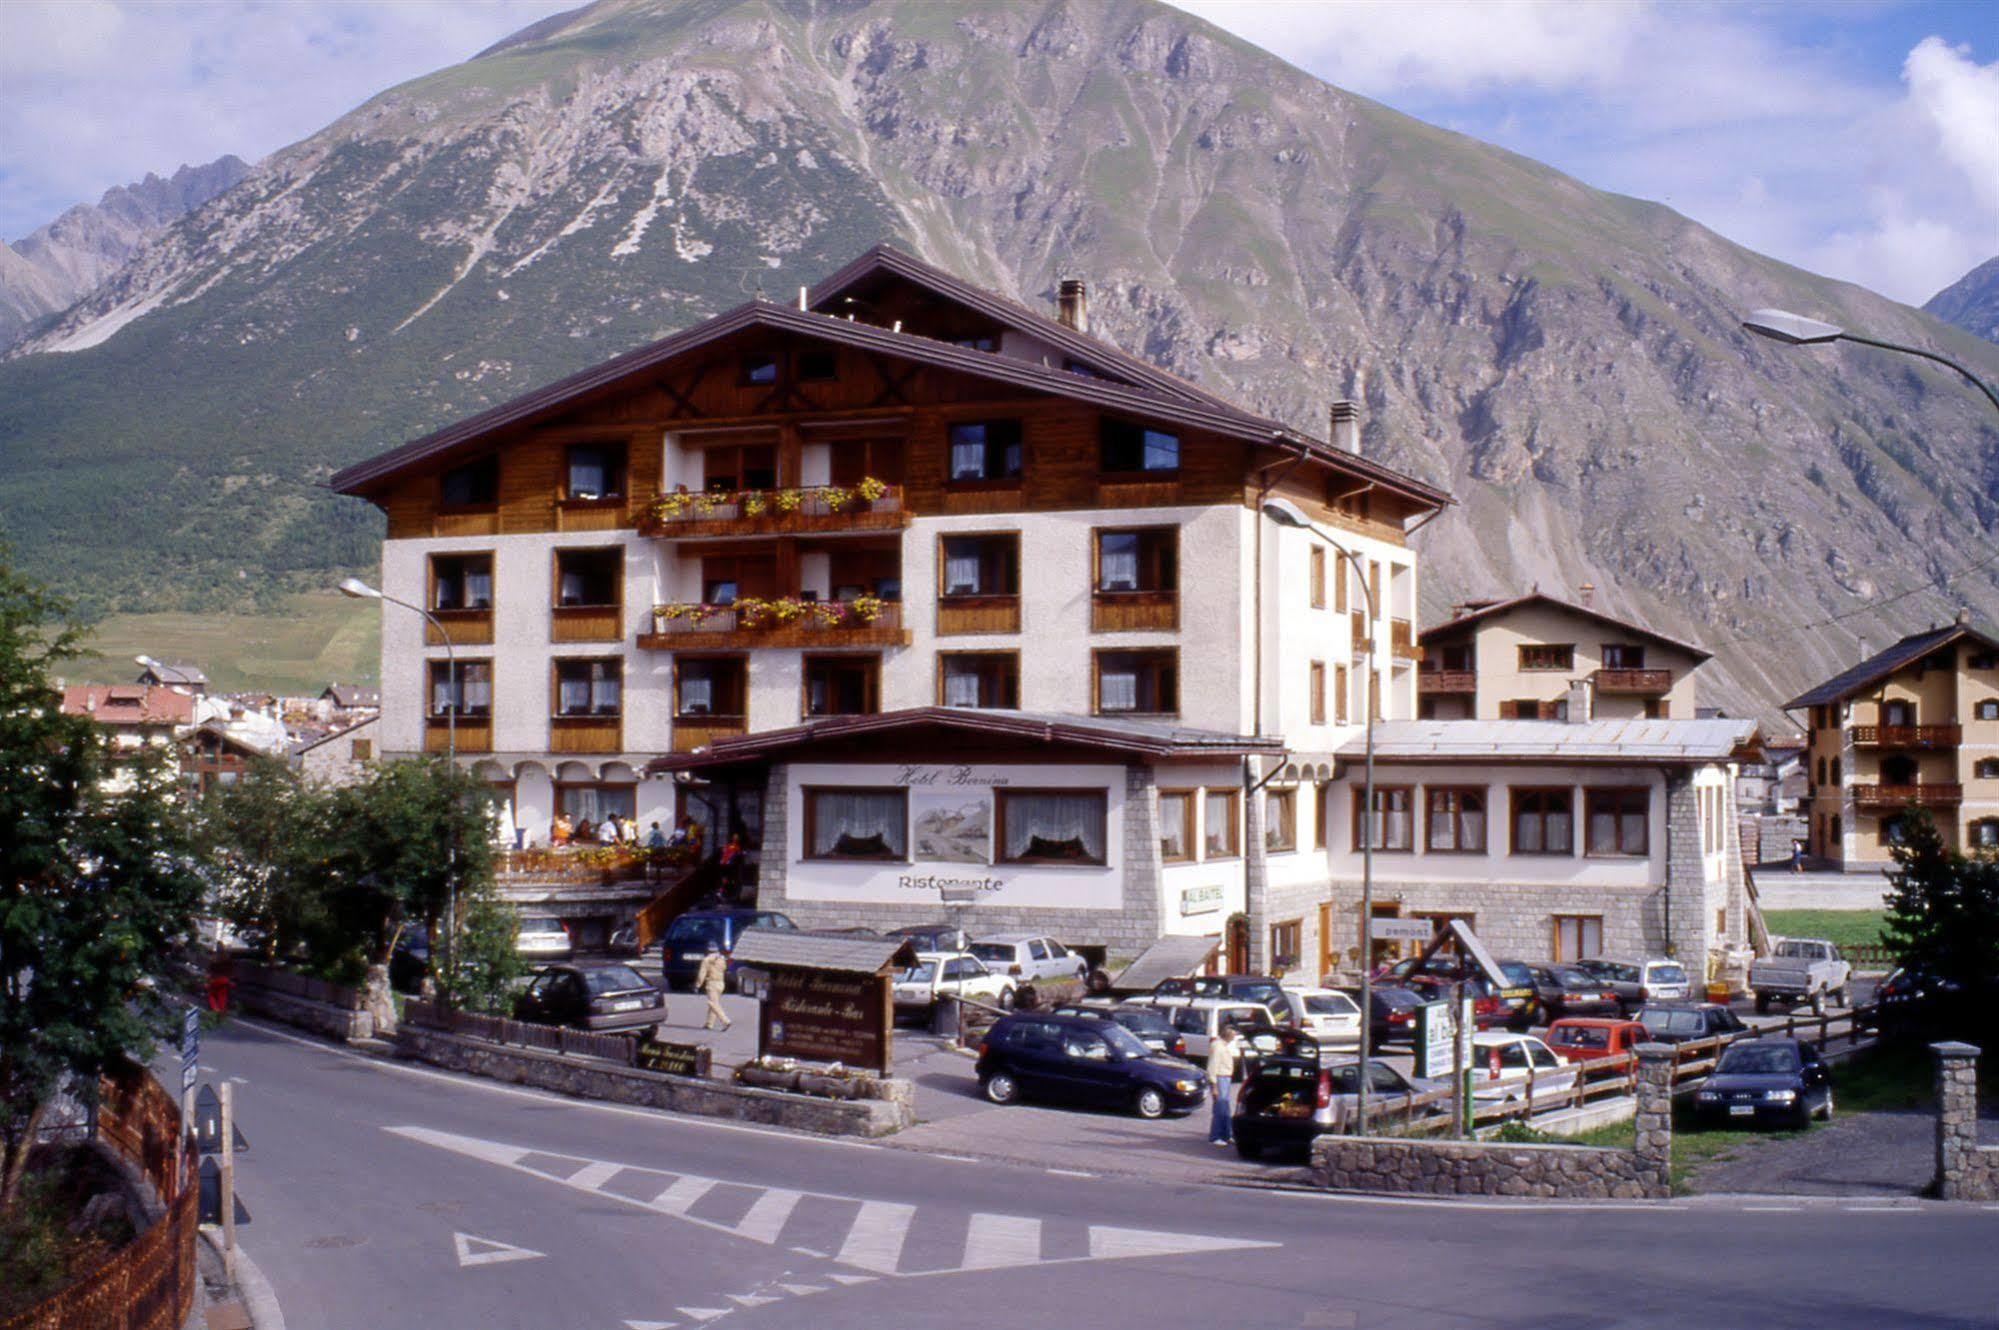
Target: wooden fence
[[619, 1048], [149, 1283], [298, 985]]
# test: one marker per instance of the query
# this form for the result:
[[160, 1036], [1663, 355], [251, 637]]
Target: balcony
[[472, 734], [1402, 640], [1446, 681], [783, 622], [1907, 736], [585, 734], [588, 865], [1901, 796], [1134, 611], [811, 510], [959, 616], [467, 627], [692, 732], [1644, 683], [1357, 627]]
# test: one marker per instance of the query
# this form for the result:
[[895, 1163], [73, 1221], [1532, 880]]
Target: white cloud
[[1961, 100]]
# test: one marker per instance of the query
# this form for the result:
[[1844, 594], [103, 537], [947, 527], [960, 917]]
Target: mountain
[[1971, 302], [1567, 361], [56, 265]]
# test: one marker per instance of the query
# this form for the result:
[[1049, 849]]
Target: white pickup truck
[[1801, 970]]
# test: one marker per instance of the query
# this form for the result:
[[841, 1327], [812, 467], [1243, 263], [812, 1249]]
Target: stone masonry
[[1966, 1170]]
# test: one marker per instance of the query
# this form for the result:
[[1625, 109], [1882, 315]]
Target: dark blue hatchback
[[1083, 1060], [687, 939]]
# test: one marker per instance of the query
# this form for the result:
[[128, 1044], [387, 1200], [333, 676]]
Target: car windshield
[[1668, 974], [1141, 1018], [1580, 1036], [1260, 990], [613, 979], [1576, 979], [1517, 974], [1398, 997], [920, 973], [1623, 974], [1330, 1004], [994, 951], [1125, 1042], [1800, 951], [697, 930], [537, 923], [1758, 1060], [772, 920], [1660, 1020]]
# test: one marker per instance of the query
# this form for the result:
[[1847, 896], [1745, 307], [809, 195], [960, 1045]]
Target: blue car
[[687, 939], [1767, 1080], [1083, 1060]]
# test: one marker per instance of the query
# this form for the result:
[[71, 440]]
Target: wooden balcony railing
[[816, 509], [961, 615], [777, 623], [1901, 796], [467, 627], [584, 864], [1402, 640], [1134, 611], [585, 734], [584, 623], [1357, 622], [1908, 736], [1446, 681], [1634, 681], [474, 734], [692, 732]]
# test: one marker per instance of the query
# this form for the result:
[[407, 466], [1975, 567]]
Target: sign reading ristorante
[[826, 1016]]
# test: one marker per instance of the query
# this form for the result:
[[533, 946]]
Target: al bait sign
[[1200, 900], [827, 1016]]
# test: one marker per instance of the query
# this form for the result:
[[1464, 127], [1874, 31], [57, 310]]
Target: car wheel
[[1006, 999], [1818, 1002], [1843, 996], [1762, 1004], [1825, 1110], [1245, 1151], [1000, 1088], [1150, 1103]]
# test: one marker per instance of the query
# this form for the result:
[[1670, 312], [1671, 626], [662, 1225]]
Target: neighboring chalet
[[338, 758], [214, 753], [1916, 725], [136, 717], [180, 677], [1536, 657], [347, 698]]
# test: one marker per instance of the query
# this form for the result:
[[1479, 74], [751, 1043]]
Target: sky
[[1858, 138]]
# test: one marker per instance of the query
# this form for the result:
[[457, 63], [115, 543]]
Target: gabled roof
[[1884, 663], [348, 696], [331, 735], [1490, 609], [1126, 738], [807, 950], [189, 675], [1175, 407], [128, 704], [1646, 742]]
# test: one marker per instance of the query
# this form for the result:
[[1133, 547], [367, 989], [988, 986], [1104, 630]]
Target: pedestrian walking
[[1797, 855], [1224, 1057], [712, 978]]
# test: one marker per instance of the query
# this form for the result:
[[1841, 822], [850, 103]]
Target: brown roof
[[1884, 663], [128, 704], [1487, 609]]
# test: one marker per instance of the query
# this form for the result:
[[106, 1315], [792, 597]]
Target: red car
[[1589, 1038]]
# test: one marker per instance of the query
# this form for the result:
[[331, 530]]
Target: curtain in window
[[478, 589], [573, 698], [442, 694], [1471, 824], [575, 590], [867, 824], [1560, 832], [961, 689], [961, 572], [1054, 826], [605, 691], [1603, 828], [478, 688], [697, 695], [1631, 831], [968, 459], [1119, 560], [587, 476], [1117, 690], [1218, 817], [596, 802]]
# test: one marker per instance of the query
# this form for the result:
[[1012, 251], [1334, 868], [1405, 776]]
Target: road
[[385, 1195]]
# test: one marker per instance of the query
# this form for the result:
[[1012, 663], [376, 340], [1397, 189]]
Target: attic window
[[982, 342], [1078, 367], [817, 366], [475, 484], [759, 368], [1129, 448]]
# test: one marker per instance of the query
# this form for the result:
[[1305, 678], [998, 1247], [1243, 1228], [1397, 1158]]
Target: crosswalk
[[882, 1238]]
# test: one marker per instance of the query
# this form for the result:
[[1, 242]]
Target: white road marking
[[874, 1242], [753, 1299], [1108, 1243], [958, 1159], [807, 1251], [853, 1279], [704, 1313], [1881, 1209], [489, 1251], [681, 1196], [1068, 1173], [650, 1325], [595, 1175], [995, 1241], [1772, 1209], [765, 1219], [800, 1290]]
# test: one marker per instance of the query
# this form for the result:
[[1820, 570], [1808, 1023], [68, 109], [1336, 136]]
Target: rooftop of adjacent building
[[128, 704], [1897, 657], [1469, 613]]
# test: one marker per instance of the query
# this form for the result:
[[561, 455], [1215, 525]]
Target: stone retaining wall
[[319, 1017], [587, 1079], [1966, 1170]]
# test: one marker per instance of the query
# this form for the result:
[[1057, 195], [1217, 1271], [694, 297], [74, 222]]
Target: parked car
[[1502, 1062], [591, 997], [1199, 1021], [1801, 970], [935, 937], [624, 939], [1328, 1015], [1260, 988], [1489, 1010], [1767, 1080], [1152, 1025], [1635, 982], [543, 937], [1569, 990], [1510, 1004], [936, 974], [1082, 1059], [1593, 1038], [1917, 1000], [1029, 957], [409, 959], [687, 938], [1294, 1095], [1391, 1013], [1681, 1022]]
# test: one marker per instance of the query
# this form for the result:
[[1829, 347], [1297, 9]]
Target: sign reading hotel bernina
[[826, 1016]]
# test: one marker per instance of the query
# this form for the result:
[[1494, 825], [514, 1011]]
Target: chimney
[[1586, 594], [1963, 616], [1346, 426], [1582, 701], [1072, 304]]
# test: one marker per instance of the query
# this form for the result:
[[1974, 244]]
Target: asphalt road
[[383, 1195]]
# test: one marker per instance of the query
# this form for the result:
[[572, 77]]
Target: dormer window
[[475, 484], [760, 368], [1126, 448], [1622, 656], [594, 471]]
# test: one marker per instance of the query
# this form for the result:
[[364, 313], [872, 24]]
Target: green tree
[[266, 840], [97, 884], [1943, 918], [489, 958]]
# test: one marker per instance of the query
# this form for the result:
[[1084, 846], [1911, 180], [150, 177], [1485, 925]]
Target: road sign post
[[228, 1183]]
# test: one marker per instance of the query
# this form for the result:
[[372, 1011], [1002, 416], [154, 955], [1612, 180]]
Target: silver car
[[543, 937]]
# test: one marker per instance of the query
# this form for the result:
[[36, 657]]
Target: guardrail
[[619, 1048]]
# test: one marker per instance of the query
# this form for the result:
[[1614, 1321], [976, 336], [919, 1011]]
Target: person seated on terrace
[[560, 830]]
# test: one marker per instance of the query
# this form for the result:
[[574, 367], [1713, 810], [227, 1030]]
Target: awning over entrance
[[1168, 958]]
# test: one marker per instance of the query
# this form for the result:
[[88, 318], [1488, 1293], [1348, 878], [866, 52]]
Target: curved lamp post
[[1796, 330], [1285, 513]]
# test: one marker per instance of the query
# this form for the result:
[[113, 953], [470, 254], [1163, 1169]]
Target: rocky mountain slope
[[1567, 361], [54, 266], [1971, 302]]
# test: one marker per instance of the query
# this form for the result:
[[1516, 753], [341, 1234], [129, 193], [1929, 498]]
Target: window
[[1623, 656], [710, 686], [842, 685], [1983, 660], [985, 450], [1987, 709], [1455, 821], [750, 466], [1285, 939], [982, 342], [594, 802], [724, 578], [1618, 821], [1578, 936], [589, 687], [1051, 826], [1315, 691], [1144, 683], [1986, 768], [1894, 830], [1322, 815], [1341, 690], [1176, 826], [856, 824], [461, 581], [1529, 708], [1145, 560], [1899, 712], [1218, 824], [1127, 448], [981, 566], [1318, 577], [475, 484], [1544, 822], [1460, 657], [1280, 821], [1548, 656], [1983, 834], [594, 471], [588, 577], [853, 573], [360, 750], [1391, 826], [468, 693], [759, 368], [1339, 589], [985, 679], [817, 366]]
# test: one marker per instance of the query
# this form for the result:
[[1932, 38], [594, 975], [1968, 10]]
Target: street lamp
[[1285, 513], [1796, 330], [356, 589]]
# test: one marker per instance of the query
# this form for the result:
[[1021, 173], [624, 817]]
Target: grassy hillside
[[313, 641]]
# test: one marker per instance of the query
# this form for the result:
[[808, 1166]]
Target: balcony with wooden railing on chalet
[[1902, 796], [1907, 736], [870, 505], [784, 621], [1641, 683], [1432, 681], [1402, 640], [699, 731], [1132, 611]]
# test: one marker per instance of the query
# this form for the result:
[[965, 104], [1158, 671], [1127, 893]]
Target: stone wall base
[[318, 1017], [1405, 1167], [625, 1085]]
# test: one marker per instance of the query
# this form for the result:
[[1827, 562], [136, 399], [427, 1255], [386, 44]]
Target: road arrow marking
[[650, 1325], [488, 1251], [753, 1299], [704, 1313], [853, 1279], [1111, 1244], [800, 1290]]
